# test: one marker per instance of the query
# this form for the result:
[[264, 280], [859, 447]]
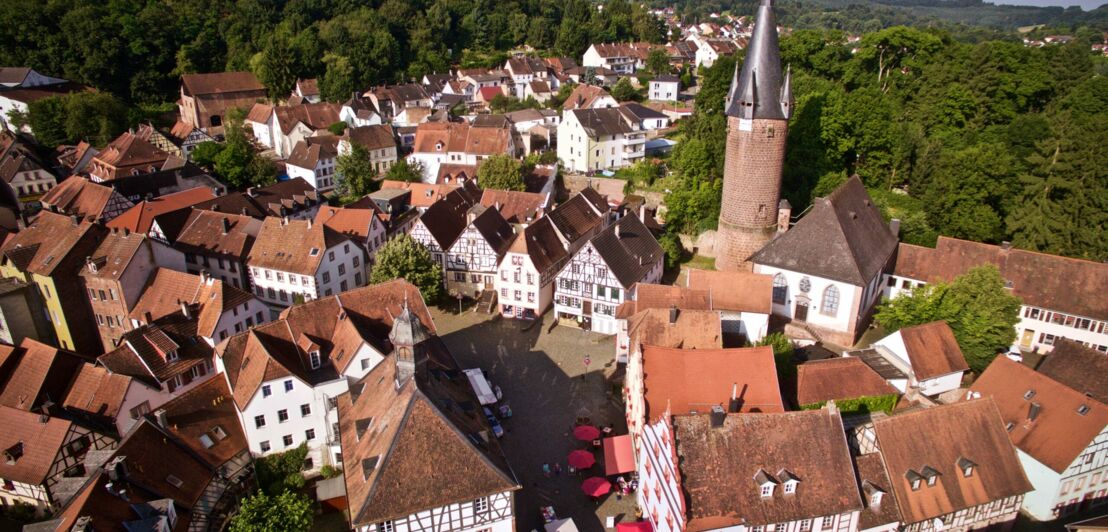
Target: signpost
[[587, 362]]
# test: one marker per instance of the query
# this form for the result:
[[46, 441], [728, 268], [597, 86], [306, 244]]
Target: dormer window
[[765, 482], [930, 474], [1028, 395], [914, 479], [315, 359], [314, 252], [789, 480], [1083, 409], [875, 498], [767, 490]]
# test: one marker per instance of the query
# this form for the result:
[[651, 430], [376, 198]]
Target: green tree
[[657, 62], [501, 172], [338, 82], [96, 117], [782, 354], [275, 67], [979, 309], [284, 512], [237, 162], [281, 472], [405, 170], [404, 258], [204, 154], [356, 176], [623, 91]]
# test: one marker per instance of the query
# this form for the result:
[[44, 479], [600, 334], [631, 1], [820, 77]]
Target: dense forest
[[989, 141]]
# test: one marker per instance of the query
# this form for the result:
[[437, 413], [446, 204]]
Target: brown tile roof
[[375, 137], [526, 65], [418, 436], [97, 391], [603, 121], [40, 444], [842, 238], [937, 438], [871, 477], [638, 50], [309, 152], [692, 380], [423, 194], [583, 97], [140, 217], [497, 232], [446, 218], [460, 137], [836, 379], [129, 150], [659, 296], [719, 466], [221, 82], [278, 199], [308, 87], [77, 195], [43, 373], [287, 245], [199, 412], [1078, 367], [932, 350], [110, 511], [541, 243], [629, 250], [218, 233], [260, 113], [580, 215], [1059, 432], [168, 289], [354, 223], [314, 115], [16, 162], [735, 291], [455, 173], [113, 256], [516, 207], [337, 324], [691, 329], [1040, 280], [143, 353]]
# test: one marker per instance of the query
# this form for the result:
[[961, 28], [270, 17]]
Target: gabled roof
[[168, 289], [143, 353], [837, 379], [52, 239], [734, 291], [516, 207], [842, 238], [78, 195], [308, 87], [497, 232], [279, 199], [541, 243], [1078, 367], [640, 112], [128, 150], [420, 436], [719, 466], [13, 76], [97, 391], [287, 245], [435, 137], [314, 115], [114, 254], [375, 137], [198, 412], [311, 150], [221, 83], [660, 296], [36, 442], [932, 350], [937, 438], [423, 195], [688, 329], [1059, 432], [218, 233], [43, 374], [139, 218], [692, 380], [629, 250], [1040, 280], [446, 219], [603, 122], [584, 96], [579, 215], [351, 222], [873, 478]]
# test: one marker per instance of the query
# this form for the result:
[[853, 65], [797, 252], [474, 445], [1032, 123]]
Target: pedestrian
[[558, 469], [546, 470]]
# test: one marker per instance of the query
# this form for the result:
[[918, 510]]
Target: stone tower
[[758, 105]]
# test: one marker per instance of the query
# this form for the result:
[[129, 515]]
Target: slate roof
[[286, 245], [734, 291], [40, 442], [52, 239], [139, 218], [972, 430], [78, 195], [837, 379], [418, 436], [719, 466], [693, 380], [640, 112], [279, 199], [932, 350], [842, 238], [43, 373], [221, 83], [629, 250], [1039, 280], [579, 215], [1059, 432], [1078, 367], [540, 242]]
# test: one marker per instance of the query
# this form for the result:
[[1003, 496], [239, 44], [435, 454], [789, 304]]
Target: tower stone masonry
[[758, 105]]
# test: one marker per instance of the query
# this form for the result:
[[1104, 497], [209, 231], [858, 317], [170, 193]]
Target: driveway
[[541, 371]]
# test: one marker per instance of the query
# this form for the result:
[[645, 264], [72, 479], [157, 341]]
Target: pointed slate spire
[[764, 99]]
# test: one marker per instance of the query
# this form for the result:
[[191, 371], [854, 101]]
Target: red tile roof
[[140, 217], [836, 379], [688, 380], [43, 373], [77, 195], [97, 391], [38, 442], [735, 291], [932, 350]]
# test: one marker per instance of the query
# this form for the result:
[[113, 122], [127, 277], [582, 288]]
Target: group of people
[[625, 486]]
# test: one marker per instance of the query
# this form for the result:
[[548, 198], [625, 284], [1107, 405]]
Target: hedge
[[860, 405]]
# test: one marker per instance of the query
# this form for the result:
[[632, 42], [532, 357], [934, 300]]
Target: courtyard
[[541, 370]]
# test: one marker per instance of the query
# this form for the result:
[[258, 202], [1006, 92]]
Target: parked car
[[497, 429]]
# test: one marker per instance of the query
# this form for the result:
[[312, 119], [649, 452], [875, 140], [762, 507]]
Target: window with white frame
[[480, 506], [830, 305], [780, 288]]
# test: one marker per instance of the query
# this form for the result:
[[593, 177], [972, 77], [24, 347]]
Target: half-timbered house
[[403, 415], [472, 259], [443, 222], [599, 276]]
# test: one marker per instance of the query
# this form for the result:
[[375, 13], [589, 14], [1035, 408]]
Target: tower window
[[769, 132]]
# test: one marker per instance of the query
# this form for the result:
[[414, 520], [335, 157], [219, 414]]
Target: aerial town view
[[553, 265]]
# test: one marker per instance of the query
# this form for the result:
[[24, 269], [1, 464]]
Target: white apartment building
[[925, 358], [313, 160], [1055, 291], [438, 143], [295, 260], [599, 276], [378, 140], [664, 88], [600, 139]]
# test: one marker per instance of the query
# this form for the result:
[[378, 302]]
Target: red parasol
[[581, 459], [586, 433], [596, 486]]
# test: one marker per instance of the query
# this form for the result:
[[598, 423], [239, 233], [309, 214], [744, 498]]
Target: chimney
[[126, 231], [1033, 411], [894, 226], [159, 414], [717, 415], [250, 191], [1005, 245], [673, 312], [243, 211], [76, 219], [149, 317], [226, 226], [284, 220], [734, 405], [185, 309], [309, 223], [619, 234]]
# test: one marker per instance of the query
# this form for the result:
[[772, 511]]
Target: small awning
[[637, 526], [618, 457]]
